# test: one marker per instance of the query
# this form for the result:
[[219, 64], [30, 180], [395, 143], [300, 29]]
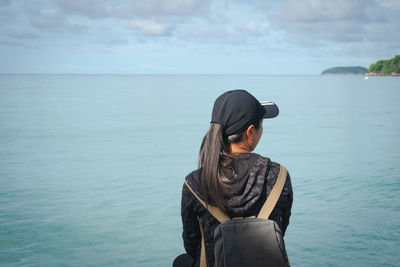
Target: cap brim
[[271, 109]]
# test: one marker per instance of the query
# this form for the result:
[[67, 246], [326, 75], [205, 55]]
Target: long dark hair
[[219, 166]]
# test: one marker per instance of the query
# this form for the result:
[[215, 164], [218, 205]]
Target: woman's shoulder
[[193, 176], [273, 167], [193, 179], [273, 164], [273, 174]]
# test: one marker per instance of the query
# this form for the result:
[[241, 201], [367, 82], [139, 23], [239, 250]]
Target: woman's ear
[[249, 131], [249, 135]]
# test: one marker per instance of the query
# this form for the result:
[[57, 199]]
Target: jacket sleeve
[[191, 232], [286, 206]]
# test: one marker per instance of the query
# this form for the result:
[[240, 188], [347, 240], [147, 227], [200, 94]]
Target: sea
[[92, 166]]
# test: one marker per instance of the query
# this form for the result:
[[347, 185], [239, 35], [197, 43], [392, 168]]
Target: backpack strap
[[215, 211], [274, 195], [203, 259]]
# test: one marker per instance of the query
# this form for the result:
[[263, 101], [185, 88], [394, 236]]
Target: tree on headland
[[386, 67], [345, 70]]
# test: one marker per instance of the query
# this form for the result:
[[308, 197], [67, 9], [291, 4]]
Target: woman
[[230, 176]]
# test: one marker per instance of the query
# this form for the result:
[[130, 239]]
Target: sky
[[195, 36]]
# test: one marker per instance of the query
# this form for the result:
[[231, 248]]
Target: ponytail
[[212, 148]]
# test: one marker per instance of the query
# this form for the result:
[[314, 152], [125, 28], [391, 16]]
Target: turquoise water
[[91, 167]]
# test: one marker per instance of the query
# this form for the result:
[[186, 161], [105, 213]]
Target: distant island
[[353, 70], [390, 67], [386, 67]]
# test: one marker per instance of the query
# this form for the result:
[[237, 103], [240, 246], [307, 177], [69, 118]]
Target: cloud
[[150, 17], [311, 11], [316, 22], [170, 8], [111, 37], [212, 33], [6, 12], [98, 9], [4, 2], [228, 23], [151, 27], [93, 9], [17, 44], [221, 33], [182, 20], [251, 28], [53, 20], [22, 35]]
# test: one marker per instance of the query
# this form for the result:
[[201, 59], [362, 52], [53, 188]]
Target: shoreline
[[381, 74]]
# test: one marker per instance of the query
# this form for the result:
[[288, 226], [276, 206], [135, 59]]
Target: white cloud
[[111, 37], [215, 33], [251, 28], [90, 8], [53, 20], [171, 7], [151, 27], [130, 9], [310, 11], [313, 23], [150, 17], [48, 18]]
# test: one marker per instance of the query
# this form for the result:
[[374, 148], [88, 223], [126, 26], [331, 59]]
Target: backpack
[[251, 241]]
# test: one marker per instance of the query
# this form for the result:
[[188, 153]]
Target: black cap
[[237, 109]]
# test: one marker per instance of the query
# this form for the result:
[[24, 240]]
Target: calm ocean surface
[[92, 167]]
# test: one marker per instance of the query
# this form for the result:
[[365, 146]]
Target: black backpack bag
[[247, 242]]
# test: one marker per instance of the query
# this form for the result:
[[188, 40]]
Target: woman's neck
[[238, 148]]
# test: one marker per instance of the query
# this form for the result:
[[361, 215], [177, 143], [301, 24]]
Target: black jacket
[[246, 199]]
